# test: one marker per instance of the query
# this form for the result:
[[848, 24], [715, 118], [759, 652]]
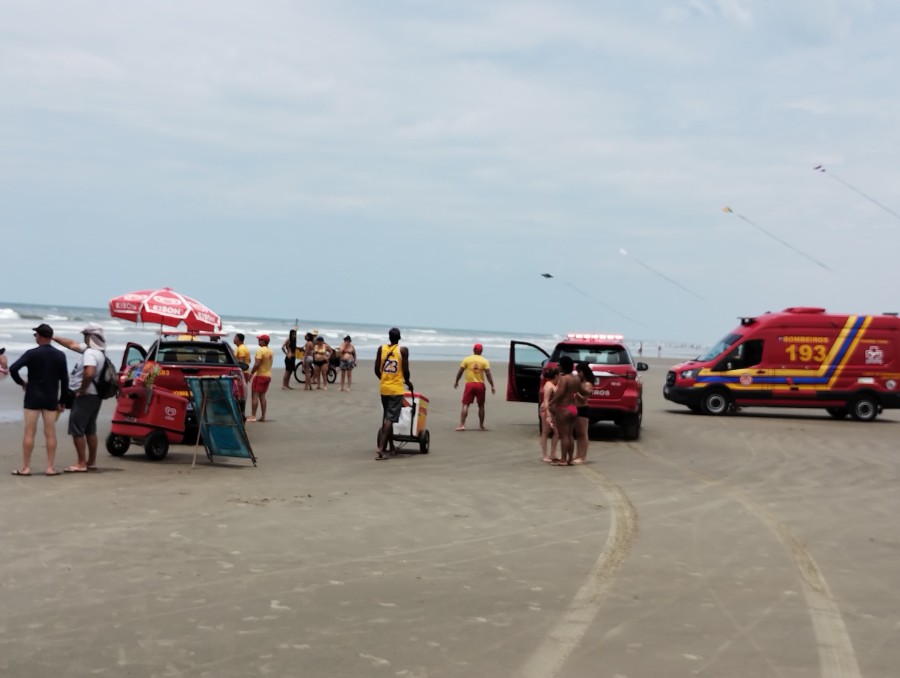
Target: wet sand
[[762, 544]]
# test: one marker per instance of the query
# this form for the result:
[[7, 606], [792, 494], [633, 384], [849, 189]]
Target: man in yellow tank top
[[392, 369], [262, 377]]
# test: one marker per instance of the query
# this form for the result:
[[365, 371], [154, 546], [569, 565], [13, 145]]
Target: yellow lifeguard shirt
[[475, 365]]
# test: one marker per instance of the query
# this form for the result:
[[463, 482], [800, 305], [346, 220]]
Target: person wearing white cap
[[86, 403]]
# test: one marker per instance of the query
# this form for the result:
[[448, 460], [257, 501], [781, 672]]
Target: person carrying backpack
[[86, 401]]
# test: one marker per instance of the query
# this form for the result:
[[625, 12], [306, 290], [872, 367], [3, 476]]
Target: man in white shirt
[[86, 405]]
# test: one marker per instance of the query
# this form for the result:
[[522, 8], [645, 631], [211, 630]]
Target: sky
[[422, 163]]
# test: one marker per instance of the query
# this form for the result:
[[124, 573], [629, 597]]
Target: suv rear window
[[596, 355], [194, 352]]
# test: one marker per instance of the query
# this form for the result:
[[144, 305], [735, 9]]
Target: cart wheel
[[156, 447], [117, 445], [332, 374], [299, 376], [424, 442]]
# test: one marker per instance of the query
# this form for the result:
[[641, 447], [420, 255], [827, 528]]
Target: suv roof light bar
[[584, 336]]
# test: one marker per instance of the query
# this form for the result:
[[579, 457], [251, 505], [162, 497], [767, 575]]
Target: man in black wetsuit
[[47, 381]]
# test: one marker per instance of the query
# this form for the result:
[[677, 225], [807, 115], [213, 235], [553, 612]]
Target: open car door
[[526, 362], [133, 354]]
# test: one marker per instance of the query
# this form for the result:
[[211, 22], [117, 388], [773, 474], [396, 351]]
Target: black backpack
[[107, 380]]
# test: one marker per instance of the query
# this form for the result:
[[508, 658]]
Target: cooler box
[[132, 402], [402, 427], [166, 410]]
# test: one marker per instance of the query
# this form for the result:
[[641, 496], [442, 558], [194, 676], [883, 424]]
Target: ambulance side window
[[742, 356]]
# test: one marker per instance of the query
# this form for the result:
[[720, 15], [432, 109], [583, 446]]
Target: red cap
[[263, 336], [478, 348]]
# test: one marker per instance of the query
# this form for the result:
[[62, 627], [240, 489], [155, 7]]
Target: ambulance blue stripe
[[796, 381]]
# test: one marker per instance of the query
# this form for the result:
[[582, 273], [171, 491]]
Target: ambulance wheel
[[838, 412], [425, 442], [864, 408], [156, 446], [117, 445], [715, 402]]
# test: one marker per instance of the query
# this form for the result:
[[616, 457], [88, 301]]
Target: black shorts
[[392, 404], [289, 363], [584, 411]]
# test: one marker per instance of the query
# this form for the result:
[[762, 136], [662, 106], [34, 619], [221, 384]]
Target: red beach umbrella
[[165, 307]]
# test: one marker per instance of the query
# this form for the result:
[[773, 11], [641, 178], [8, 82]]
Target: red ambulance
[[799, 357]]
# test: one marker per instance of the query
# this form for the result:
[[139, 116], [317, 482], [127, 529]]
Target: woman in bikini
[[308, 361], [551, 374], [4, 362], [582, 424], [289, 348], [348, 361], [562, 407], [321, 353]]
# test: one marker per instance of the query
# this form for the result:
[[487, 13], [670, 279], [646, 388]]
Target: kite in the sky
[[595, 300], [662, 275], [821, 168], [728, 210]]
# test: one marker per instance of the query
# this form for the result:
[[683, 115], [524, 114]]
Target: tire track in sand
[[550, 656], [837, 659]]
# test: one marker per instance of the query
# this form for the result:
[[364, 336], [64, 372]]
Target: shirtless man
[[563, 410]]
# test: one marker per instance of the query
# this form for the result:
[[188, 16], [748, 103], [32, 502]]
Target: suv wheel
[[631, 423]]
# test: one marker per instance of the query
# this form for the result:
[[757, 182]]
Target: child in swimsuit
[[562, 407]]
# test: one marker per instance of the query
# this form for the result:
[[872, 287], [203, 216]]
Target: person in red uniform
[[476, 368]]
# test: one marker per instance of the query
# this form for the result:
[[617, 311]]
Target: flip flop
[[75, 469], [55, 473], [17, 472]]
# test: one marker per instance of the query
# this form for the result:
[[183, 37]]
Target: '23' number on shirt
[[390, 367]]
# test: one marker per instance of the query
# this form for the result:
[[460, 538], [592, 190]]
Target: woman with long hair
[[582, 423], [562, 407], [289, 348]]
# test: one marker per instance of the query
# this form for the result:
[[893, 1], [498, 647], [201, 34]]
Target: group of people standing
[[315, 354], [50, 388], [564, 412]]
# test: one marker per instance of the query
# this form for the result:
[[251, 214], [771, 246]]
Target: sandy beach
[[762, 544]]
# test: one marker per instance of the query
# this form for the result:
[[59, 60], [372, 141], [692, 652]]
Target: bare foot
[[546, 459], [482, 428], [460, 428], [249, 419], [579, 461]]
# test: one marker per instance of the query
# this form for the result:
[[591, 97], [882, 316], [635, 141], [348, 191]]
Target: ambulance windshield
[[718, 349]]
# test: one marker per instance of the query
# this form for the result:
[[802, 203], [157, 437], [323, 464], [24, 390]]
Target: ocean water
[[424, 343]]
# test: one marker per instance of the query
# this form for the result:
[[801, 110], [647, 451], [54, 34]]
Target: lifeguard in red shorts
[[476, 368], [262, 377]]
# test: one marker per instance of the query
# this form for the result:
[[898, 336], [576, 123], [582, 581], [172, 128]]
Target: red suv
[[618, 390], [179, 355]]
